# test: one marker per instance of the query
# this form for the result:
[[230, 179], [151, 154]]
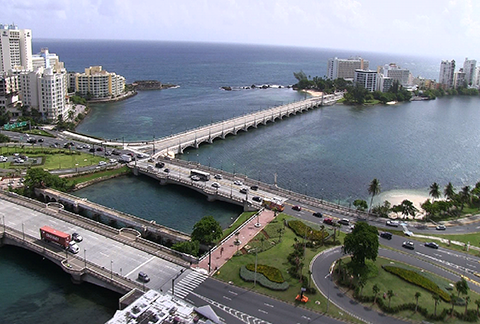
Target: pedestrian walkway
[[188, 283], [225, 250]]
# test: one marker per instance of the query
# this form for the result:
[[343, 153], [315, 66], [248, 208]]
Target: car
[[257, 198], [159, 165], [86, 146], [115, 152], [3, 158], [432, 245], [218, 176], [77, 237], [243, 190], [40, 140], [238, 183], [408, 245], [113, 161], [143, 277], [297, 208], [99, 149], [195, 178], [392, 223], [441, 227], [102, 163], [91, 150], [54, 145], [107, 153], [254, 187], [344, 221], [408, 233], [73, 247], [317, 214], [328, 221], [216, 185], [31, 140], [386, 235], [19, 160], [167, 170]]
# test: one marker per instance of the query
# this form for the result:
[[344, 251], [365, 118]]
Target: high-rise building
[[345, 68], [46, 59], [459, 79], [384, 83], [9, 94], [15, 48], [447, 71], [98, 83], [469, 70], [366, 78], [396, 73]]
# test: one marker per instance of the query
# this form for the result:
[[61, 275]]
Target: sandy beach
[[314, 93], [395, 197]]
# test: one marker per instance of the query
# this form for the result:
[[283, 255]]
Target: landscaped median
[[282, 258]]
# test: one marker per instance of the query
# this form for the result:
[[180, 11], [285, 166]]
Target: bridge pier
[[135, 170]]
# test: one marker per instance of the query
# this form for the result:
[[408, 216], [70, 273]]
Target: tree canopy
[[39, 178], [362, 243], [206, 230]]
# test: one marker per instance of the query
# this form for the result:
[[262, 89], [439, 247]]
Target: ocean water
[[331, 153]]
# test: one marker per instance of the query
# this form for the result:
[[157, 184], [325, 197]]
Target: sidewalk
[[225, 250]]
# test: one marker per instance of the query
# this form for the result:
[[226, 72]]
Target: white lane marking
[[268, 305], [233, 293], [262, 311], [227, 298], [141, 265]]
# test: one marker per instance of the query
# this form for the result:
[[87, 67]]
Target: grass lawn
[[405, 292], [274, 253], [96, 175], [39, 132], [56, 159], [239, 221]]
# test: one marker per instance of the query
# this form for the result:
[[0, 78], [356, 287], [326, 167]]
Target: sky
[[444, 28]]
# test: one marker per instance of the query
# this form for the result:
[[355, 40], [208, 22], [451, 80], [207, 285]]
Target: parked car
[[386, 235], [432, 245], [143, 277], [408, 245], [216, 185], [392, 223], [3, 158], [441, 227], [254, 187], [297, 208], [102, 163], [344, 221], [113, 161], [77, 237], [218, 177], [328, 221], [317, 214]]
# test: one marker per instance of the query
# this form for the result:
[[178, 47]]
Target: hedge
[[417, 279], [301, 229], [271, 273], [248, 275]]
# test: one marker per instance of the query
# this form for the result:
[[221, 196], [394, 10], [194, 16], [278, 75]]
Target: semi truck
[[49, 234]]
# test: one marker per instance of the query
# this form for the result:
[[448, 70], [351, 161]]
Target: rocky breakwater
[[142, 85]]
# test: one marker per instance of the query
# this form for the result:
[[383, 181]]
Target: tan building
[[96, 83]]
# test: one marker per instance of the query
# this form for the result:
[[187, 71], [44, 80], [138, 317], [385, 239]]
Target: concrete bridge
[[81, 205]]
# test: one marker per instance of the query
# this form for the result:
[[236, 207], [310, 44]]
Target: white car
[[218, 177], [113, 161], [73, 247], [19, 160], [3, 158], [238, 183], [102, 163], [393, 223]]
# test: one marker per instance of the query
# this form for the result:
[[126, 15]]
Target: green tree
[[477, 302], [390, 294], [39, 178], [436, 299], [375, 290], [408, 208], [453, 300], [449, 191], [462, 287], [189, 247], [4, 138], [361, 243], [465, 195], [467, 300], [206, 230], [417, 295], [373, 190], [360, 204], [434, 190]]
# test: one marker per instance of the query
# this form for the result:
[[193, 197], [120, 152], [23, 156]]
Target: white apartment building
[[9, 94], [15, 48], [45, 59], [397, 73], [384, 83], [45, 90], [469, 67], [98, 83], [345, 68], [366, 78], [447, 71], [459, 79]]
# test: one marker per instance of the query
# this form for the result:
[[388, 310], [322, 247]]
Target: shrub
[[271, 273], [248, 275], [417, 279], [301, 230]]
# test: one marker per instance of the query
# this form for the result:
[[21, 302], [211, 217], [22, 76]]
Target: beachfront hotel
[[447, 72], [345, 68], [15, 48], [97, 83]]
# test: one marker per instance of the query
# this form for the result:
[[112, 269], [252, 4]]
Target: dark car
[[115, 152], [91, 150], [254, 187], [159, 165], [297, 208], [432, 245], [317, 214], [328, 221], [386, 235], [40, 140], [99, 149], [243, 190], [31, 140], [257, 198], [408, 245], [77, 237], [166, 170], [143, 277]]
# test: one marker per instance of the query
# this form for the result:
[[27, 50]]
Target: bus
[[204, 176], [273, 204]]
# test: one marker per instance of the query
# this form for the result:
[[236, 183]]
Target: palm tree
[[436, 298], [390, 294], [477, 302], [453, 300], [373, 189], [434, 191], [449, 191], [465, 194], [376, 290], [361, 283], [417, 295], [408, 208], [462, 287], [467, 300]]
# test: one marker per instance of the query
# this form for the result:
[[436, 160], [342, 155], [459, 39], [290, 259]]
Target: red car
[[328, 221], [296, 207]]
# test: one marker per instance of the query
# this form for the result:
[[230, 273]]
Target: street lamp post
[[85, 257], [255, 277], [23, 231], [209, 259], [111, 269], [153, 143]]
